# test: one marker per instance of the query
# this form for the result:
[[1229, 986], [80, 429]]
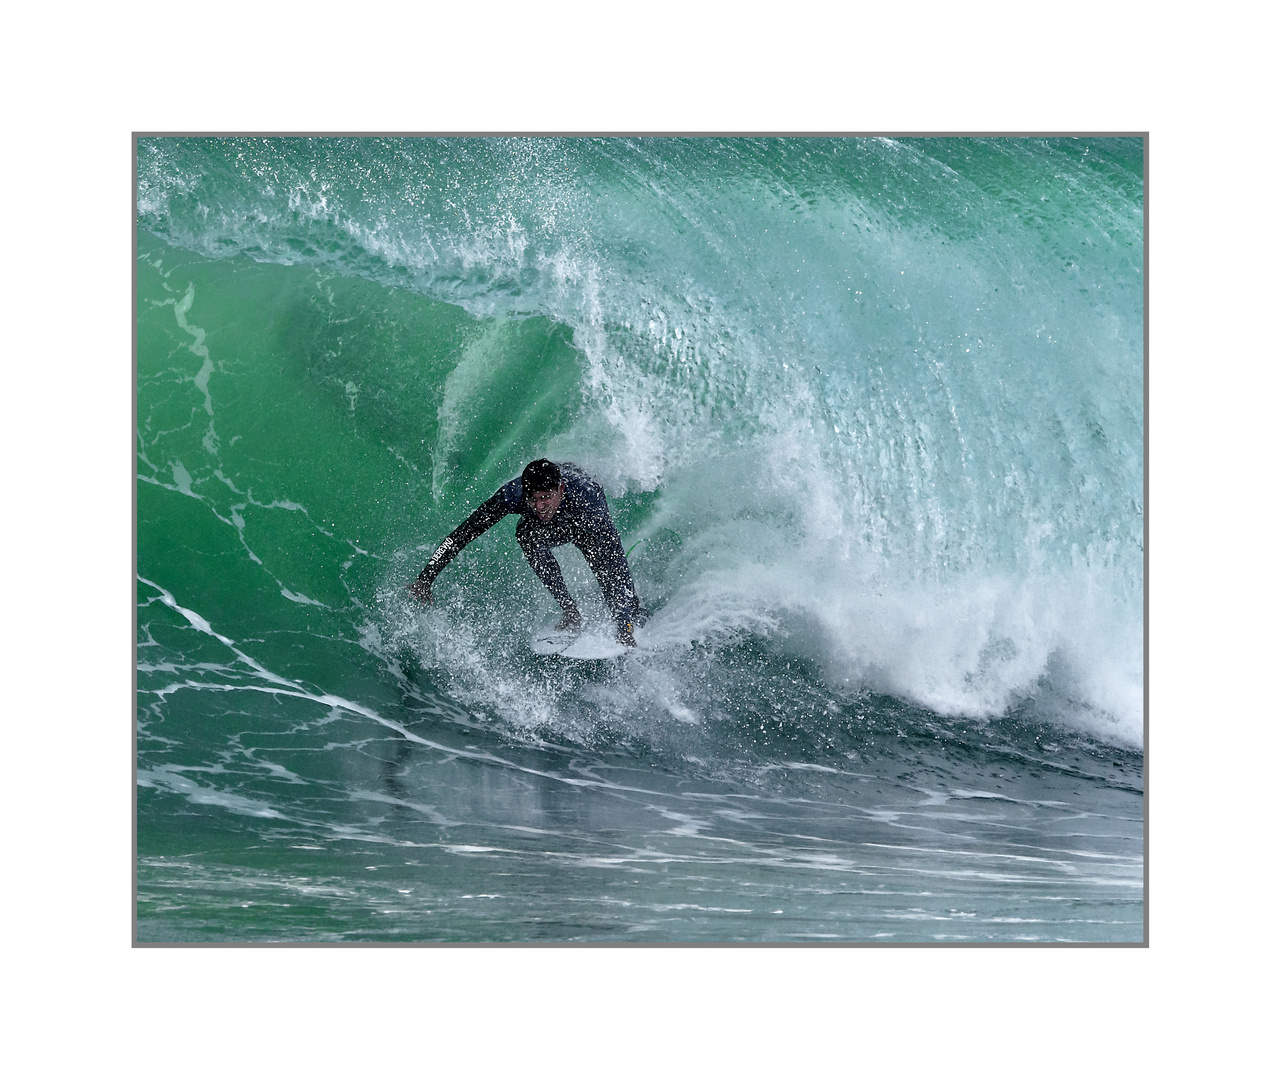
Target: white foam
[[174, 778]]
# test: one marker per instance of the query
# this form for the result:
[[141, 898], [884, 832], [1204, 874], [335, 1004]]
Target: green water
[[869, 417]]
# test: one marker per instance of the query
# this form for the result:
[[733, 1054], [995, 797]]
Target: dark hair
[[540, 475]]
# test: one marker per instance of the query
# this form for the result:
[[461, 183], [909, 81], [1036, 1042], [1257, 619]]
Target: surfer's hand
[[420, 590]]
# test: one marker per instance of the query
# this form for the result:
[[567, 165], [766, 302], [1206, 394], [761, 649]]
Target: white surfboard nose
[[582, 646]]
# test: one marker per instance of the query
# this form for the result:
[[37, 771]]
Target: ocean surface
[[870, 416]]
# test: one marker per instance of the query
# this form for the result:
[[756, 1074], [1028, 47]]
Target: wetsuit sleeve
[[487, 515]]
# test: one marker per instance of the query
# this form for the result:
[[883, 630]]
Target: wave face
[[869, 413]]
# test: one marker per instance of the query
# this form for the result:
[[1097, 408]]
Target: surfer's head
[[543, 487]]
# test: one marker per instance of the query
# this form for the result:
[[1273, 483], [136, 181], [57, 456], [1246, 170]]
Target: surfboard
[[586, 645]]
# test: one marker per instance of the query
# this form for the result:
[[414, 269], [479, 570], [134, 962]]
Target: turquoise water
[[869, 413]]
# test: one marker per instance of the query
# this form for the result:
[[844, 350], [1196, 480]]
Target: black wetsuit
[[581, 519]]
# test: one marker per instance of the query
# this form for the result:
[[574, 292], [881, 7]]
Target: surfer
[[557, 504]]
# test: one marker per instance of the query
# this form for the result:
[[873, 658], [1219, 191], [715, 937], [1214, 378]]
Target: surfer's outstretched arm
[[489, 513]]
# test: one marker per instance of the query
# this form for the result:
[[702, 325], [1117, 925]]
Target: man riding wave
[[558, 504]]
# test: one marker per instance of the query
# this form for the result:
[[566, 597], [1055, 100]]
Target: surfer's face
[[545, 503]]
